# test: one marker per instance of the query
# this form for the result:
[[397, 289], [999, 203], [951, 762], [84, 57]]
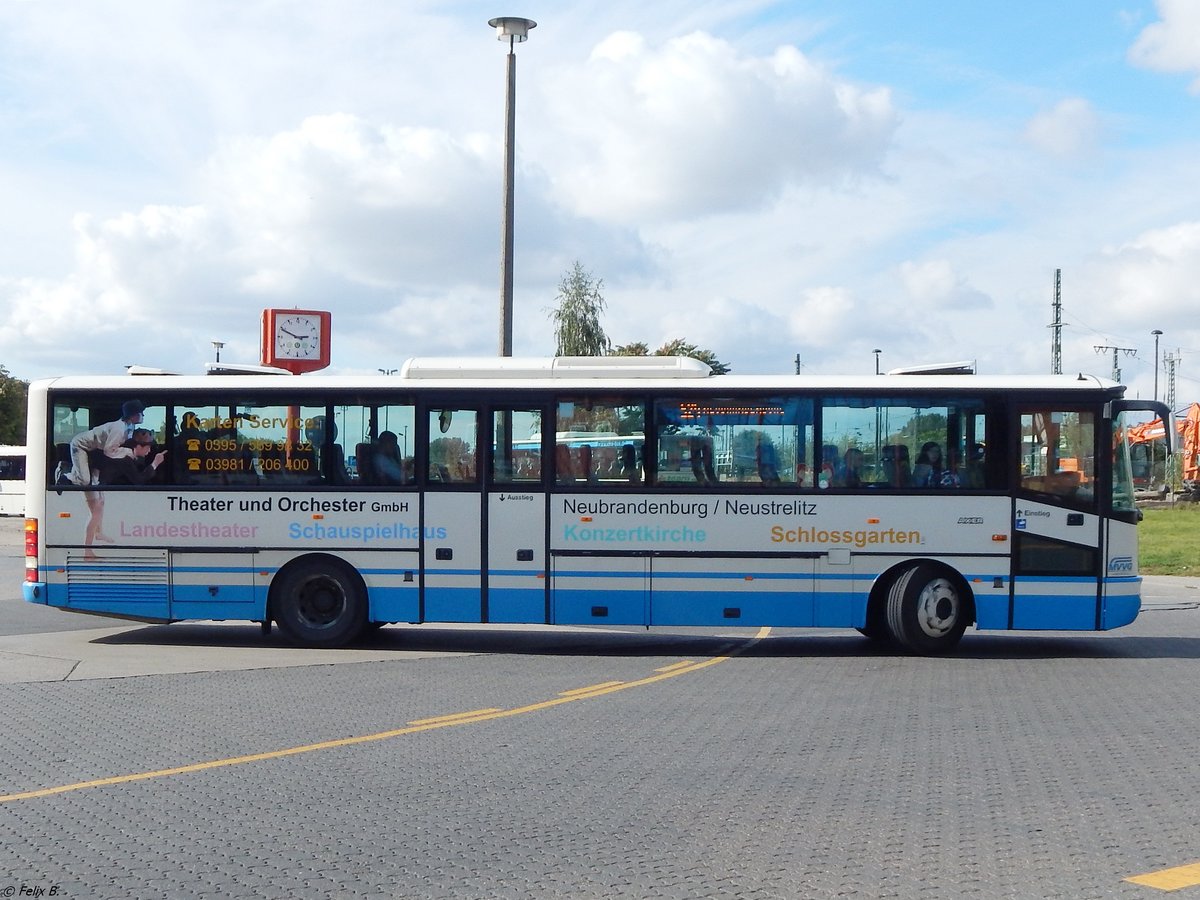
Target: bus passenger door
[[1056, 567], [1056, 562], [516, 518], [451, 513]]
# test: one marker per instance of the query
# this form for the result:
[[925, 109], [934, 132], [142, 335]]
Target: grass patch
[[1169, 541]]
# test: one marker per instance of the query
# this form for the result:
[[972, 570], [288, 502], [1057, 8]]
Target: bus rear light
[[31, 549]]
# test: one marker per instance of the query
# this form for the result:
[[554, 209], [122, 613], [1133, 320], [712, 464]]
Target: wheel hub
[[938, 607], [321, 602]]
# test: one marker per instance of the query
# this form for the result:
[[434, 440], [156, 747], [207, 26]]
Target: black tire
[[927, 610], [319, 603]]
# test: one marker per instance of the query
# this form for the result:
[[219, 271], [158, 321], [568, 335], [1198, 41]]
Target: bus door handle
[[1074, 518], [524, 556], [443, 553]]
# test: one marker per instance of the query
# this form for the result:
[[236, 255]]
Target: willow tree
[[577, 328]]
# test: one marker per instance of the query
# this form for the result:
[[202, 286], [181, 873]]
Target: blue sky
[[765, 179]]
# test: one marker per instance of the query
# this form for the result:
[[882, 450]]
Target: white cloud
[[934, 285], [1152, 277], [824, 314], [1172, 44], [396, 229], [743, 195], [1068, 130], [694, 127], [372, 205]]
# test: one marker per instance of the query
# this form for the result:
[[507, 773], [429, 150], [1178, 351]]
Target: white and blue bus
[[613, 491], [12, 480]]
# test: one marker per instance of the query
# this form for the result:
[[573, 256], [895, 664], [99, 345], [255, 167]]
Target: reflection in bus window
[[1058, 453], [910, 443], [599, 441], [764, 441], [452, 446], [375, 442], [517, 446]]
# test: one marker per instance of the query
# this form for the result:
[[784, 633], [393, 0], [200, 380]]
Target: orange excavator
[[1188, 427]]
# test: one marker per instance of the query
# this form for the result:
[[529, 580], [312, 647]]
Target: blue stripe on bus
[[808, 605], [1054, 612], [1120, 610], [395, 604], [517, 605], [452, 604], [593, 607]]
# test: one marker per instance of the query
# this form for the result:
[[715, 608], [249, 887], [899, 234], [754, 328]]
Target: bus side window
[[453, 446], [896, 471], [564, 470]]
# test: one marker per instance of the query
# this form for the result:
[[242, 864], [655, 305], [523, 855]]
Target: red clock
[[295, 339]]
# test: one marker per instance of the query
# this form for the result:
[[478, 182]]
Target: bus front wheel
[[318, 603], [927, 610]]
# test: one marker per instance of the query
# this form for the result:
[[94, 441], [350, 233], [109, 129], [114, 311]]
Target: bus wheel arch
[[318, 600], [927, 606], [875, 628]]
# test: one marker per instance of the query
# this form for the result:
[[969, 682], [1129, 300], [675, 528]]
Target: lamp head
[[512, 28]]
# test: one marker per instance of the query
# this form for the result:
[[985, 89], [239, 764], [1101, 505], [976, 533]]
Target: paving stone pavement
[[808, 766]]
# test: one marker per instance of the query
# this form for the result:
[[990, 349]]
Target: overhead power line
[[1128, 351]]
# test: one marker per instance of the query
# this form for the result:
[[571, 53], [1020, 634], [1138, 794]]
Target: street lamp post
[[514, 30], [1157, 333], [217, 345], [876, 352]]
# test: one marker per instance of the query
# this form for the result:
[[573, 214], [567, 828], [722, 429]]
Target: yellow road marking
[[416, 727], [588, 690], [678, 665], [455, 716], [1170, 879]]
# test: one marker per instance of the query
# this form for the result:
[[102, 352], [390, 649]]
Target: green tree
[[677, 347], [577, 328], [14, 401]]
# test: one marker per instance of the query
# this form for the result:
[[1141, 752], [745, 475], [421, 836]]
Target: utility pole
[[797, 363], [1056, 325], [1169, 361], [1128, 351], [1157, 333]]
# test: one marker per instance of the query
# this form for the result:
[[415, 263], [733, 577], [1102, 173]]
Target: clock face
[[295, 339], [298, 337]]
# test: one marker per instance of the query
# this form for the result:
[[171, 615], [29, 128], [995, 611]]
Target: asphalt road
[[198, 760]]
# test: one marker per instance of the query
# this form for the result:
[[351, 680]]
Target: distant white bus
[[587, 491], [12, 481]]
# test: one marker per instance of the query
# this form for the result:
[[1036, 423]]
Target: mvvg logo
[[1120, 564]]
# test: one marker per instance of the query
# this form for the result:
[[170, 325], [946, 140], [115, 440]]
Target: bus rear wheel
[[319, 603], [927, 610]]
